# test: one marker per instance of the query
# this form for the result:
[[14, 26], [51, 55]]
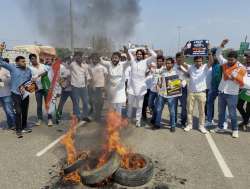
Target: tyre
[[100, 174], [138, 177], [74, 166]]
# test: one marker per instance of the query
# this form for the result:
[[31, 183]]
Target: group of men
[[137, 78]]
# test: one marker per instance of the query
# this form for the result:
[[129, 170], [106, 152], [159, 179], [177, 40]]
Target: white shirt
[[98, 73], [79, 74], [38, 70], [226, 86], [116, 81], [137, 86], [198, 78], [5, 83], [181, 74]]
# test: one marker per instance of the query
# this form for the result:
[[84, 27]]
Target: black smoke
[[115, 19]]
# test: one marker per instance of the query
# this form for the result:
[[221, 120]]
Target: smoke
[[114, 19]]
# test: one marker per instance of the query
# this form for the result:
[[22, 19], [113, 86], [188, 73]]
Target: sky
[[158, 25]]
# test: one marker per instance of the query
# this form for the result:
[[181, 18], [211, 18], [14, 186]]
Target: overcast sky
[[159, 19]]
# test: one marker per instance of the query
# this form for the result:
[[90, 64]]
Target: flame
[[68, 142], [115, 123]]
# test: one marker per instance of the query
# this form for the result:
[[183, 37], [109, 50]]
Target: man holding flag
[[39, 72]]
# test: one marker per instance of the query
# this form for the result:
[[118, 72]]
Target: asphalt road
[[182, 160]]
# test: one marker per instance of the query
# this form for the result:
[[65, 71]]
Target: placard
[[196, 48], [173, 86], [27, 88]]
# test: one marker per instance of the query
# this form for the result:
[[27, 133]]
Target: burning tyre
[[138, 171], [103, 172]]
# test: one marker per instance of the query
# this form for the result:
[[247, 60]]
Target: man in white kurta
[[116, 81], [137, 87]]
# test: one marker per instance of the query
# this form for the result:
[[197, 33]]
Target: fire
[[68, 142], [113, 143], [133, 161]]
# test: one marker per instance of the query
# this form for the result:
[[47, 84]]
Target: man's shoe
[[172, 129], [235, 134], [19, 135], [225, 125], [39, 122], [86, 119], [203, 130], [209, 124], [183, 124], [13, 128], [218, 130], [188, 128], [26, 130], [156, 128], [50, 123]]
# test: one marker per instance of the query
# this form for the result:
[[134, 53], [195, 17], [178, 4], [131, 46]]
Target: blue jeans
[[230, 101], [63, 99], [183, 101], [212, 95], [159, 107], [152, 99], [7, 104], [77, 94]]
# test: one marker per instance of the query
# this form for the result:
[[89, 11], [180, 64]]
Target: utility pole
[[71, 27], [179, 37]]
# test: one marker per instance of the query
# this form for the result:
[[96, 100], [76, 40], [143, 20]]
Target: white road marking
[[223, 165], [51, 145]]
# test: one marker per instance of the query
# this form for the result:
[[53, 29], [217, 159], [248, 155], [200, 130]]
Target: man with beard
[[20, 74], [116, 81], [232, 79], [80, 78], [164, 98], [98, 74], [138, 88]]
